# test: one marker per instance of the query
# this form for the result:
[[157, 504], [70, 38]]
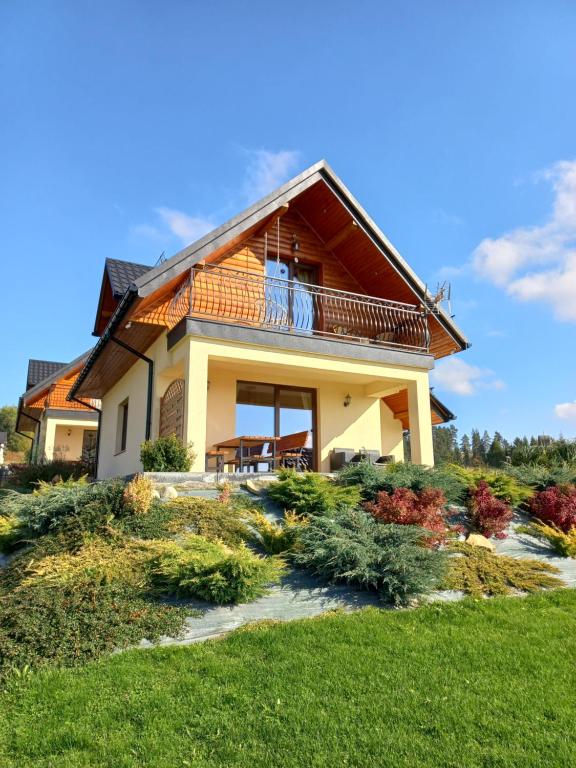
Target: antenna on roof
[[161, 259], [442, 293]]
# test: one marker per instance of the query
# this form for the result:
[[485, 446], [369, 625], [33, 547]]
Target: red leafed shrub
[[556, 506], [405, 507], [488, 515]]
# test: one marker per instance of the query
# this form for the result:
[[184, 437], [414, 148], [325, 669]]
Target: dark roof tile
[[38, 370], [122, 274]]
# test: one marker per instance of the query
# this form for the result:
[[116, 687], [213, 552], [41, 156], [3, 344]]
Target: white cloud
[[264, 172], [454, 375], [187, 228], [566, 411], [538, 263], [267, 170]]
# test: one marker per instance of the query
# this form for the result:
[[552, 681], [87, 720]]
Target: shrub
[[307, 493], [540, 478], [374, 479], [405, 507], [487, 514], [137, 495], [479, 572], [502, 485], [166, 454], [564, 543], [351, 546], [208, 570], [557, 506], [45, 624], [12, 533], [28, 476], [276, 538], [73, 504]]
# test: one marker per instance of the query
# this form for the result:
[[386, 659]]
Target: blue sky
[[130, 127]]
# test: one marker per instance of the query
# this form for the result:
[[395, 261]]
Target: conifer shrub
[[502, 485], [487, 514], [196, 567], [562, 542], [308, 493], [373, 479], [350, 546], [478, 572], [405, 507], [556, 506], [540, 478], [277, 537], [68, 504], [137, 495], [166, 454]]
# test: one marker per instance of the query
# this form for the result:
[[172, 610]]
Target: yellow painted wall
[[168, 365], [211, 368], [56, 444]]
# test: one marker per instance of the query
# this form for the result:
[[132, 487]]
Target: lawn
[[481, 683]]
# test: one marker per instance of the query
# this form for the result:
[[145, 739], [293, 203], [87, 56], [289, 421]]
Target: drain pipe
[[150, 362], [99, 412]]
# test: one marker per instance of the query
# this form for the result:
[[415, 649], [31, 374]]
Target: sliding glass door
[[284, 412], [291, 303]]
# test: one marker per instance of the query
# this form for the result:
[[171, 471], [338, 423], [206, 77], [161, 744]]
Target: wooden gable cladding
[[398, 404], [106, 306]]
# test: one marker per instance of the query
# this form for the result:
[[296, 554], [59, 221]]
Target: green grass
[[486, 684]]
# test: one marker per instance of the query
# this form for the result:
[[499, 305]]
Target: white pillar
[[49, 439], [195, 412], [420, 422]]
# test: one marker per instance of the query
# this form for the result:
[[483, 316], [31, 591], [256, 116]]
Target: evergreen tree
[[16, 442], [496, 455], [466, 451], [478, 452], [445, 444]]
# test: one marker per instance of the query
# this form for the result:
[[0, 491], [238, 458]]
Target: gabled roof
[[39, 370], [117, 278], [317, 189], [122, 274]]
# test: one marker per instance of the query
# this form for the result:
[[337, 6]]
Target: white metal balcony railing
[[253, 300]]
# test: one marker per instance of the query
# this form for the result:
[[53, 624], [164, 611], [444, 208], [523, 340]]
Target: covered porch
[[256, 409]]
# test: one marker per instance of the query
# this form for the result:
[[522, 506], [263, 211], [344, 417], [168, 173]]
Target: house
[[60, 428], [296, 322]]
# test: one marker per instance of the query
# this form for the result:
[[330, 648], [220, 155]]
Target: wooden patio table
[[248, 441]]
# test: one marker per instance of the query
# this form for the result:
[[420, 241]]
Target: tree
[[466, 451], [496, 455], [445, 444], [478, 452], [16, 442]]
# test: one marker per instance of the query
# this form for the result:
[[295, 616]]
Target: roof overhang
[[94, 379]]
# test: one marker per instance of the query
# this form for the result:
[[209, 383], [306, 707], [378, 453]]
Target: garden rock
[[170, 492], [477, 540]]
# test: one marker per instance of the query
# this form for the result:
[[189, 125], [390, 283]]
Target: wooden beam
[[271, 220], [342, 235]]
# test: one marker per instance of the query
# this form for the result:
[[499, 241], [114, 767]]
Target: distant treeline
[[494, 450]]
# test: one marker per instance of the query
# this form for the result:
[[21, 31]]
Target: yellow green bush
[[137, 496], [479, 572], [562, 543]]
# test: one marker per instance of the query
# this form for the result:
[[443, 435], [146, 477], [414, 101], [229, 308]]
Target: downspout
[[99, 412], [150, 362]]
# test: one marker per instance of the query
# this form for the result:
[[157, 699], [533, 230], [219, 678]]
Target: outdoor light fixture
[[295, 244], [128, 325], [68, 433], [347, 401]]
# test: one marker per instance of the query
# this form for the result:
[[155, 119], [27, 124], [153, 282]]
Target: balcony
[[252, 300]]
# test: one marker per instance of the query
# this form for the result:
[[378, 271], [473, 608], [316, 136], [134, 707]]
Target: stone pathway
[[303, 596]]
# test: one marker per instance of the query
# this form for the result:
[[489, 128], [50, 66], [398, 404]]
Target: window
[[122, 426]]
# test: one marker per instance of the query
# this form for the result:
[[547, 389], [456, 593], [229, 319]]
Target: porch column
[[196, 405], [49, 440], [420, 421]]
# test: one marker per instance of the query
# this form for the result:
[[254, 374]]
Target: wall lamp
[[347, 401]]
